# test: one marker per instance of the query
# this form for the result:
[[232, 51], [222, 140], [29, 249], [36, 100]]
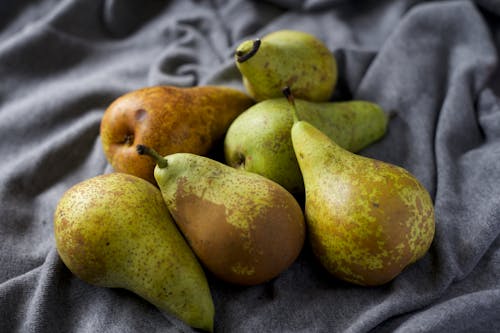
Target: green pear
[[287, 58], [115, 231], [367, 220], [245, 228], [259, 141]]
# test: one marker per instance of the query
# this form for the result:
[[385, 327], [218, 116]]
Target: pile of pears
[[172, 212]]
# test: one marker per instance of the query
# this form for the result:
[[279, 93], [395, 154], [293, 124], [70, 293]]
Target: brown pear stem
[[291, 100], [244, 56], [145, 150]]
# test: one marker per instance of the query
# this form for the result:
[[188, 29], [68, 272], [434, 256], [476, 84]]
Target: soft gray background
[[434, 63]]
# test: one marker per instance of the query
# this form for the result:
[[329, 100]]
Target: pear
[[287, 58], [115, 231], [367, 220], [243, 227], [169, 119], [259, 141]]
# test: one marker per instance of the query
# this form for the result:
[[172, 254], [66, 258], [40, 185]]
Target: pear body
[[168, 119], [287, 58], [115, 231], [367, 220], [259, 141], [243, 227]]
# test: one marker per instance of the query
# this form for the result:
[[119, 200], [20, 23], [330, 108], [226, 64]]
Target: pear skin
[[290, 58], [367, 220], [243, 227], [259, 141], [169, 119], [115, 231]]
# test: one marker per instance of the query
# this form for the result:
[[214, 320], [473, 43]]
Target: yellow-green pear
[[114, 230], [245, 228], [290, 58], [367, 220], [259, 141]]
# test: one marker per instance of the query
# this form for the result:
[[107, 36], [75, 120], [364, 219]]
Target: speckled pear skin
[[259, 141], [367, 220], [170, 120], [290, 58], [115, 231], [243, 227]]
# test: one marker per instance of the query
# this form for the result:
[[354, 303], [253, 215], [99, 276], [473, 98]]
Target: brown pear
[[168, 119]]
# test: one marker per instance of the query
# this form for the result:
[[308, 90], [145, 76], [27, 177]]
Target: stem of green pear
[[242, 56], [291, 100], [145, 150]]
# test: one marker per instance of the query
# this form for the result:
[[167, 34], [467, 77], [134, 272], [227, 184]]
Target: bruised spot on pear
[[140, 115]]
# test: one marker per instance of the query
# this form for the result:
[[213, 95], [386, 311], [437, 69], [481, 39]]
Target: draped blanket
[[433, 64]]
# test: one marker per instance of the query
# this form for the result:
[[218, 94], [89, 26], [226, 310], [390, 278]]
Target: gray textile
[[434, 63]]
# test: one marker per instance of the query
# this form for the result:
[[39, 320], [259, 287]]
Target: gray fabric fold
[[434, 64]]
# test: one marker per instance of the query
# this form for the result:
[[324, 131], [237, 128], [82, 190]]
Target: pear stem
[[145, 150], [291, 100], [244, 56]]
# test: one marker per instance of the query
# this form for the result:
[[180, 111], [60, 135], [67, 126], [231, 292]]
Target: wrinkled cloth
[[434, 65]]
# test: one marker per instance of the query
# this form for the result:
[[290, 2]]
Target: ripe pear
[[243, 227], [169, 119], [290, 58], [259, 141], [115, 231], [367, 220]]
